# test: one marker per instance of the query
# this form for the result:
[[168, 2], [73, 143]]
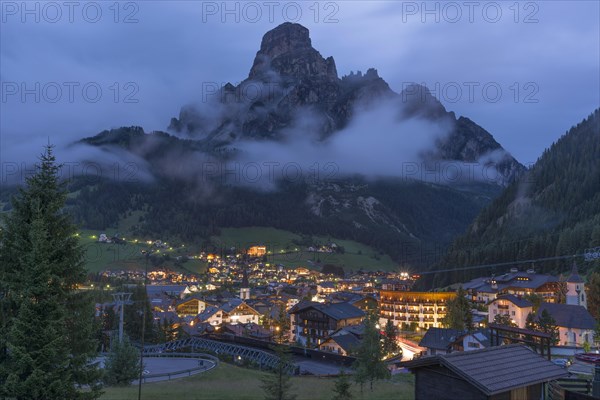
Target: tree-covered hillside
[[554, 210], [408, 221]]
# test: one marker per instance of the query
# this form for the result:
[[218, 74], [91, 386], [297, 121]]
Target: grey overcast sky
[[526, 71]]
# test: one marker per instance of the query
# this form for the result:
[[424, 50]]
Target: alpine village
[[315, 285]]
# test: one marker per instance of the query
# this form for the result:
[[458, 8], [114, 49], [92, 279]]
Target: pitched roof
[[231, 305], [168, 316], [350, 297], [519, 279], [439, 338], [195, 296], [336, 311], [207, 313], [250, 329], [481, 335], [198, 328], [303, 304], [327, 284], [574, 277], [569, 315], [521, 303], [348, 342], [154, 289], [496, 369], [356, 330], [342, 311]]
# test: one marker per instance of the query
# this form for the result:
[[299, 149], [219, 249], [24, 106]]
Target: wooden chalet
[[512, 372]]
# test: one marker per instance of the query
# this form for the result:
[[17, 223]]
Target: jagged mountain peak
[[287, 50], [284, 38], [294, 84]]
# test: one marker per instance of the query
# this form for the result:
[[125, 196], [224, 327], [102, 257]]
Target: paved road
[[157, 365], [318, 367]]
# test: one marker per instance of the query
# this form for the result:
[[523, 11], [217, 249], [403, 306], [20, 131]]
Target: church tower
[[576, 289], [245, 289]]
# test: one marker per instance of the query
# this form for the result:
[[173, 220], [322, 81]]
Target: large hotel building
[[419, 309]]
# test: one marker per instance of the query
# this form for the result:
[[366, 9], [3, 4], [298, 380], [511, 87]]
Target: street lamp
[[278, 337]]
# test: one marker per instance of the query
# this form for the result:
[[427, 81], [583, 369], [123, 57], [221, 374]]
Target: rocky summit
[[290, 79], [288, 51], [293, 92]]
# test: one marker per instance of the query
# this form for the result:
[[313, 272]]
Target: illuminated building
[[420, 309], [257, 251]]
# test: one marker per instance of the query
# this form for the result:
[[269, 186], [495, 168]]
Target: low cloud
[[376, 144]]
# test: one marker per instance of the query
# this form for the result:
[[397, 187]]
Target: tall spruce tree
[[390, 345], [547, 324], [46, 331], [342, 388], [369, 365], [593, 295], [505, 319], [278, 386], [134, 315], [530, 322], [283, 323], [122, 364], [458, 315]]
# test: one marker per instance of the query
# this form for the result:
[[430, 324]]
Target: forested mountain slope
[[553, 210]]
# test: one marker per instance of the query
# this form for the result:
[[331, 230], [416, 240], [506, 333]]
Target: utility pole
[[146, 254], [121, 299]]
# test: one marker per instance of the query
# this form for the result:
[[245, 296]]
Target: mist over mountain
[[296, 147], [293, 97]]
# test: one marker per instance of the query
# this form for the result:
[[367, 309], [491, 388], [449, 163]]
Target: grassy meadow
[[236, 383]]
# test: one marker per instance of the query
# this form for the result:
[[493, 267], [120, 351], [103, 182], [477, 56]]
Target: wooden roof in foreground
[[496, 369]]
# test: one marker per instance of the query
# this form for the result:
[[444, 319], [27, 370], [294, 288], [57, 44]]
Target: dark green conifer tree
[[47, 332], [278, 386], [369, 365]]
